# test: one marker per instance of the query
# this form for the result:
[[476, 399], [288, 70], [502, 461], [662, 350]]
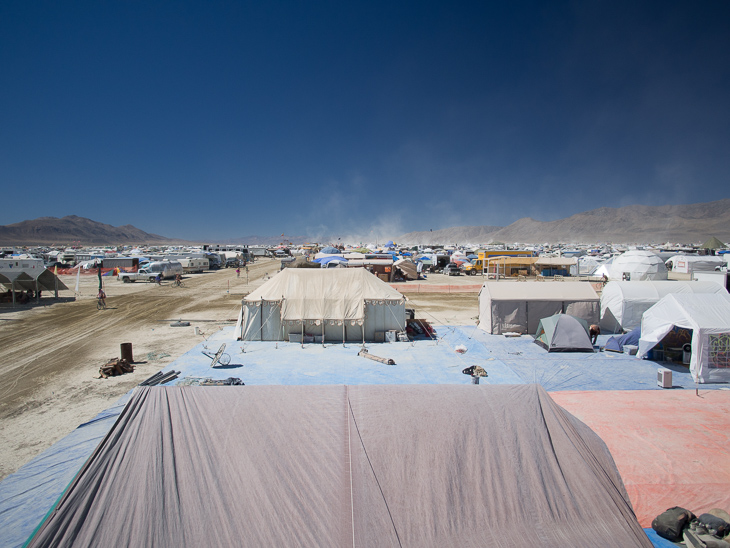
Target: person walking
[[238, 272]]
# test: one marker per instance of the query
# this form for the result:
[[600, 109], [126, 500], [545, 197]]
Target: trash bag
[[670, 523], [475, 371]]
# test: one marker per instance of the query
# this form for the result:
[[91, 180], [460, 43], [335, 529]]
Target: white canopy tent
[[337, 304], [508, 306], [708, 316], [637, 265], [623, 303]]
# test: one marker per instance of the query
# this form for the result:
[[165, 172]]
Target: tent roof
[[539, 291], [354, 465], [653, 290], [694, 311], [556, 261], [324, 293], [713, 243]]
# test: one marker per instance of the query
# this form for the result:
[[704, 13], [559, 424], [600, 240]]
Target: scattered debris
[[475, 371], [115, 367], [365, 354], [160, 378], [155, 356], [461, 349], [230, 381], [219, 357]]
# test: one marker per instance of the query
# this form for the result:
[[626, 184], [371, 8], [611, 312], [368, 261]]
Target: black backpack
[[672, 522]]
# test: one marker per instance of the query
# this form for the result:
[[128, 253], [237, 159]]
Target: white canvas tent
[[340, 304], [708, 316], [508, 306], [637, 265], [623, 303]]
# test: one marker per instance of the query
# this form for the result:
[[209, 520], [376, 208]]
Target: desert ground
[[50, 353]]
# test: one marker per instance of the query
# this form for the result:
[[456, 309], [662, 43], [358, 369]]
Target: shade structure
[[340, 304], [623, 303], [563, 333], [708, 316], [414, 466], [507, 306]]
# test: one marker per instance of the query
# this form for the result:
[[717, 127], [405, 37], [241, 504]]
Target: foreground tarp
[[346, 466]]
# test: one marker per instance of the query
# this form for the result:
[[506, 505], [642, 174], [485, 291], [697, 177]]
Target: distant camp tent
[[623, 303], [616, 344], [339, 304], [713, 243], [519, 306], [636, 265], [688, 264], [708, 316], [563, 333]]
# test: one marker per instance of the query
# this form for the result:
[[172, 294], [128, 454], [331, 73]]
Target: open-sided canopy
[[708, 316], [346, 466], [623, 303]]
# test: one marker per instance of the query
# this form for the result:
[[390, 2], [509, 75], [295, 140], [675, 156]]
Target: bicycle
[[100, 303], [178, 283]]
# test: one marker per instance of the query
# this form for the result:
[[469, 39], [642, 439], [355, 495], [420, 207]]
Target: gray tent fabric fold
[[405, 465]]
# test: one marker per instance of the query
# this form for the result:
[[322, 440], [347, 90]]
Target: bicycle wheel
[[99, 306]]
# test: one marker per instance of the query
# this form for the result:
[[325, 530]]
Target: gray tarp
[[406, 465]]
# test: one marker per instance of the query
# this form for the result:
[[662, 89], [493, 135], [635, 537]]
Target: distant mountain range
[[692, 223], [629, 224], [75, 230]]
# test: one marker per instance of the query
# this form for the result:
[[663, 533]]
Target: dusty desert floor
[[50, 353]]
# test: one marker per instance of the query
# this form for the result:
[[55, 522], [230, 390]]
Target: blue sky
[[212, 120]]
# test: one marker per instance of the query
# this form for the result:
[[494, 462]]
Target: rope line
[[362, 443]]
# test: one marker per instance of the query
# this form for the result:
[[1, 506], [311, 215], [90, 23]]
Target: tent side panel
[[509, 316], [585, 310], [537, 310]]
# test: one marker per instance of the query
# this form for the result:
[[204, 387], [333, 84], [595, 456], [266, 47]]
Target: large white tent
[[637, 265], [623, 303], [708, 316], [508, 306], [338, 304]]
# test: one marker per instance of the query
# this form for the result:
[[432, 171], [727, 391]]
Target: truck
[[148, 273]]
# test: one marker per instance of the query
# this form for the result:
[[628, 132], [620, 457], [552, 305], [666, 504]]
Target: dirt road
[[50, 353]]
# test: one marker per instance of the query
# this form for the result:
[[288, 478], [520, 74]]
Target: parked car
[[452, 269]]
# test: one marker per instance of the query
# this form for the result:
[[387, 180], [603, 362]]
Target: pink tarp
[[405, 465], [672, 447]]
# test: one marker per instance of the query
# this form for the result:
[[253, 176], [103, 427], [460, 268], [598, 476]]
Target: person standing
[[238, 272]]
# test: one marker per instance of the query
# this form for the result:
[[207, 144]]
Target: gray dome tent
[[563, 333]]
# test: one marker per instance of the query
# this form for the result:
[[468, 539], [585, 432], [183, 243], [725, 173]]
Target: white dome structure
[[637, 265]]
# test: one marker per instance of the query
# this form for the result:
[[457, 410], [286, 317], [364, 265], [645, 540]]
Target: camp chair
[[219, 357]]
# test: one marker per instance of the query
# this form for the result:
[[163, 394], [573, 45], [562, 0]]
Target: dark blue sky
[[214, 120]]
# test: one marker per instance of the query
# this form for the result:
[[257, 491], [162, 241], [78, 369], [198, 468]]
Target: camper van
[[190, 265]]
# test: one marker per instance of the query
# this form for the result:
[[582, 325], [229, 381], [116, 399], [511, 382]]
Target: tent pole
[[323, 333], [12, 286], [37, 298], [302, 333], [343, 332]]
